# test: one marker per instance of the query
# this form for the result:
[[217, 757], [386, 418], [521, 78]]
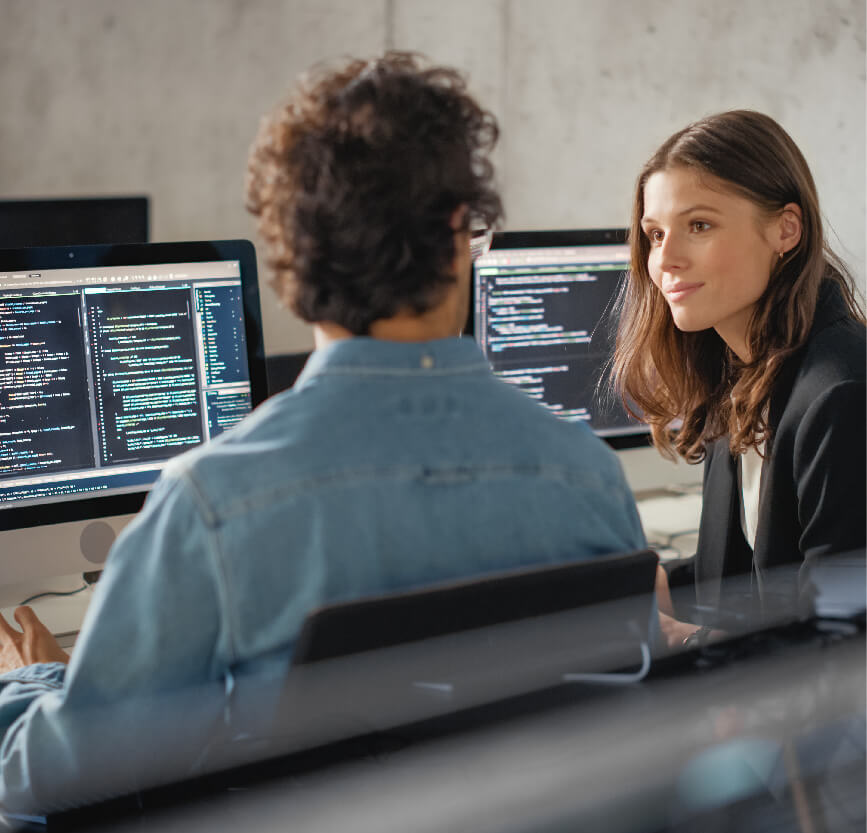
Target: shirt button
[[427, 362]]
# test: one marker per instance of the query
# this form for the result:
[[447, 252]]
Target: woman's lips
[[680, 291]]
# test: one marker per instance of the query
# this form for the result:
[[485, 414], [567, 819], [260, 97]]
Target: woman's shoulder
[[830, 364], [827, 375], [835, 329], [836, 351]]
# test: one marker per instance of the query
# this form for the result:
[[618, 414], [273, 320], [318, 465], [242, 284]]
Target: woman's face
[[711, 252]]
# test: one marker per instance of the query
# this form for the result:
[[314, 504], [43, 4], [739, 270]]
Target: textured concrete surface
[[163, 97]]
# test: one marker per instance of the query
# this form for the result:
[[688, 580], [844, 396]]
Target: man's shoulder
[[340, 428], [259, 435], [529, 414]]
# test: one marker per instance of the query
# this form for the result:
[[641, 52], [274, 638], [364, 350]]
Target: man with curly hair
[[396, 461]]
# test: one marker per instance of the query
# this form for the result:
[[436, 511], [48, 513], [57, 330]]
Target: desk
[[739, 743], [670, 521]]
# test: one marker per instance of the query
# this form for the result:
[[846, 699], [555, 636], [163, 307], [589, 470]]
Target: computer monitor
[[541, 313], [73, 221], [113, 359]]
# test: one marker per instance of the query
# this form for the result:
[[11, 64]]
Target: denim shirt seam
[[361, 370], [317, 482], [211, 520]]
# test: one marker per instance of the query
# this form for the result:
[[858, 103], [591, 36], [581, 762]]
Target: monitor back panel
[[73, 221]]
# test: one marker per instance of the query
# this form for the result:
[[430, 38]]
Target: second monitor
[[542, 314], [113, 360], [72, 221]]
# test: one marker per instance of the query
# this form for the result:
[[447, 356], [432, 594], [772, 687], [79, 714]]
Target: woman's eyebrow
[[698, 207]]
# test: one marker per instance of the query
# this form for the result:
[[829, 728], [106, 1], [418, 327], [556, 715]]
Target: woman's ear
[[788, 228]]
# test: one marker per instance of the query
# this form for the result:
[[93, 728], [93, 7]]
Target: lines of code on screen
[[44, 408], [145, 374], [544, 327], [223, 334]]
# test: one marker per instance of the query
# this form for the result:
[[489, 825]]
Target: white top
[[750, 481]]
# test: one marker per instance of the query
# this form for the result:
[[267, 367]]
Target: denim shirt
[[387, 466]]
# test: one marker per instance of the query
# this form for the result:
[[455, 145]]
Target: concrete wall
[[163, 96]]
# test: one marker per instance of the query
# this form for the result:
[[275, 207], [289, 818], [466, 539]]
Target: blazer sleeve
[[829, 470]]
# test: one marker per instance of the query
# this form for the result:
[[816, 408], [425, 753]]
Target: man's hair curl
[[355, 181]]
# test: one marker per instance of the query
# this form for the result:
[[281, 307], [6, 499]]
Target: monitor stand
[[61, 610], [54, 559]]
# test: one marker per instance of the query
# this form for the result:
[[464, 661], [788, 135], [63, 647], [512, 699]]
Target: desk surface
[[670, 522], [761, 737]]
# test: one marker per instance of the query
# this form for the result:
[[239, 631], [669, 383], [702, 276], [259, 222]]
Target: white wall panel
[[596, 87], [161, 97], [114, 96]]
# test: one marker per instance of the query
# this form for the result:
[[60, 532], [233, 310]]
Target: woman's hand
[[674, 632], [663, 594]]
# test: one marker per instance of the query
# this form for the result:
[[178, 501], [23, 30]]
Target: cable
[[618, 678], [615, 677], [53, 593]]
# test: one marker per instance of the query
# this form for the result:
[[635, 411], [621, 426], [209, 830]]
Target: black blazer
[[812, 497]]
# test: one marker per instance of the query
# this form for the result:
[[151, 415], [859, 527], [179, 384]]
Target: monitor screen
[[73, 221], [541, 314], [113, 359]]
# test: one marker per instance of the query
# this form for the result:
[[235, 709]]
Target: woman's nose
[[672, 255]]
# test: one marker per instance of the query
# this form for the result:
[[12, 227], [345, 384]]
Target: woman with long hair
[[742, 344]]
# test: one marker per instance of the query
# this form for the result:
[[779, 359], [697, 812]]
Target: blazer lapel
[[719, 522]]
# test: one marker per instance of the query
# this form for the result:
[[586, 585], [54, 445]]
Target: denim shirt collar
[[362, 355]]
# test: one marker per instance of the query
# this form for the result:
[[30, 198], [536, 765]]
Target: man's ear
[[458, 220], [788, 228]]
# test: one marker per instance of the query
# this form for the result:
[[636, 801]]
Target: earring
[[781, 255]]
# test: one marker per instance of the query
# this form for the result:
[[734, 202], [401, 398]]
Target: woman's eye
[[655, 235], [699, 225]]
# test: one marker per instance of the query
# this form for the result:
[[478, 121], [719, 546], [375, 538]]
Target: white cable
[[618, 678]]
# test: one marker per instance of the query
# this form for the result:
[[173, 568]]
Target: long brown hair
[[665, 375]]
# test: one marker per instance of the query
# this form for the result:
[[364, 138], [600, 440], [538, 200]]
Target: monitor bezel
[[540, 239], [545, 238], [135, 254], [135, 208]]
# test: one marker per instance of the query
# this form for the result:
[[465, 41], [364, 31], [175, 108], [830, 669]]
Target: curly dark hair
[[355, 181]]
